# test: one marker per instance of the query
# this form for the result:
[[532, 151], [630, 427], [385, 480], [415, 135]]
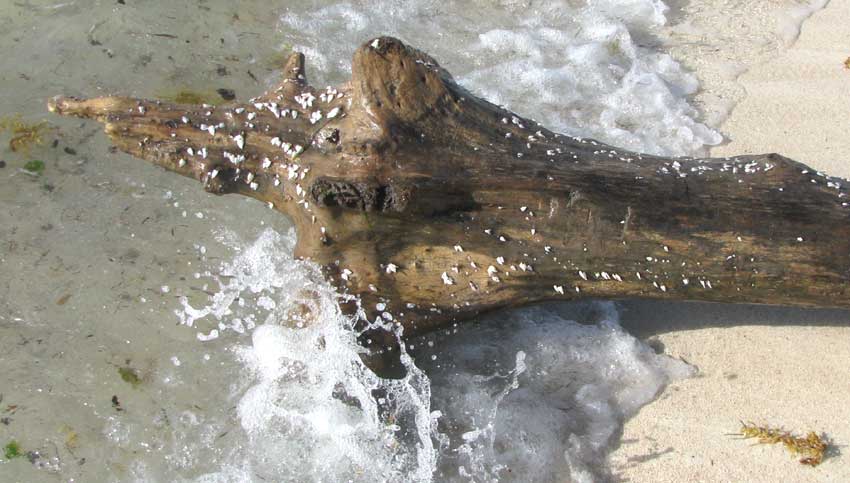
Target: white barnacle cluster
[[273, 108], [315, 116], [305, 100], [211, 128], [234, 158], [329, 95], [288, 148]]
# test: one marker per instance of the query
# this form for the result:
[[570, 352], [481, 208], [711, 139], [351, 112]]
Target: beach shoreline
[[781, 367]]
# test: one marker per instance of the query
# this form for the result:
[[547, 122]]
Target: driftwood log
[[432, 205]]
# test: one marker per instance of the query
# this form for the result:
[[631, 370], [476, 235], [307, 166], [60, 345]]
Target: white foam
[[306, 407], [577, 70], [528, 395], [791, 20], [534, 396]]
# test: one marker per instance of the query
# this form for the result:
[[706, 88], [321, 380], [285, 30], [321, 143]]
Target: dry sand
[[783, 367]]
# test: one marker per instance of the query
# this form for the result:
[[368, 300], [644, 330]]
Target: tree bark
[[432, 205]]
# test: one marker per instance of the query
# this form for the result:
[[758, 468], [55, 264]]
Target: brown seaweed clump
[[810, 448], [24, 135]]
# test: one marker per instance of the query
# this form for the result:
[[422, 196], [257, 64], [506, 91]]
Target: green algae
[[130, 376]]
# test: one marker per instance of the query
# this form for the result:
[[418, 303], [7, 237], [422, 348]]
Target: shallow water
[[112, 267]]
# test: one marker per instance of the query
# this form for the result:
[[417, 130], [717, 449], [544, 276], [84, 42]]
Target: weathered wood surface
[[432, 205]]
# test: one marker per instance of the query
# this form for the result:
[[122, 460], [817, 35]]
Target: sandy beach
[[781, 367], [139, 315]]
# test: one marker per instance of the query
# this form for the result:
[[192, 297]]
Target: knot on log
[[220, 180], [400, 84], [359, 195]]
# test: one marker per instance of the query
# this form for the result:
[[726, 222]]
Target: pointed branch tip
[[293, 70]]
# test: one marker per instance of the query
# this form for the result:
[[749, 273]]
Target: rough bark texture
[[432, 205]]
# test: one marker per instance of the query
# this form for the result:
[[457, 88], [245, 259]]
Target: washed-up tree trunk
[[432, 205]]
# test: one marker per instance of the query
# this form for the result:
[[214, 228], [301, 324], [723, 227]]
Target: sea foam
[[577, 68], [526, 395]]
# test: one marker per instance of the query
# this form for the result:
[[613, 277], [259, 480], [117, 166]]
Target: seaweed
[[847, 63], [130, 376], [278, 58], [810, 448], [24, 135], [226, 94], [35, 166], [72, 438], [189, 96], [12, 450]]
